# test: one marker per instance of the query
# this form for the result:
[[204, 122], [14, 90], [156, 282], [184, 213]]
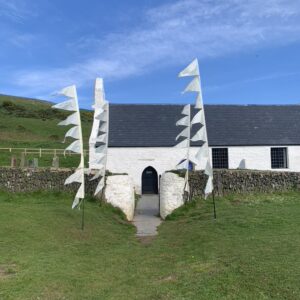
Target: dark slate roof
[[141, 125]]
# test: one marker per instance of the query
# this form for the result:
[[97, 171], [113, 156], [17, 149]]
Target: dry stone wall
[[245, 181], [30, 180]]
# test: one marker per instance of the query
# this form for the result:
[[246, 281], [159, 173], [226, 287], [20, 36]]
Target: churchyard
[[250, 252]]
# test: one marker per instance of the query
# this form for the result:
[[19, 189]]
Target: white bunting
[[99, 186], [183, 144], [208, 169], [183, 133], [187, 187], [102, 116], [74, 147], [76, 177], [73, 132], [80, 192], [100, 149], [101, 138], [75, 202], [98, 113], [202, 153], [186, 110], [183, 165], [198, 118], [183, 122], [194, 86], [103, 127], [69, 91], [69, 105], [70, 120], [200, 135], [209, 186], [199, 101], [191, 70]]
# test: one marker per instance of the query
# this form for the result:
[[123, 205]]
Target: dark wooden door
[[149, 181]]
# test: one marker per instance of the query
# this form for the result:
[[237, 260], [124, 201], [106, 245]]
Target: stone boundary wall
[[30, 180], [245, 181]]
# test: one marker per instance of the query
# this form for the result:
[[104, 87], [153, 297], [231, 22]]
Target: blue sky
[[248, 49]]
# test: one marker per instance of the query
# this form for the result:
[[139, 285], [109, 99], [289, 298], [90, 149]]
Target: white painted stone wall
[[133, 160], [171, 193], [119, 192]]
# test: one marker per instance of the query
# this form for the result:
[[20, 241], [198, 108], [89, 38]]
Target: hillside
[[29, 123]]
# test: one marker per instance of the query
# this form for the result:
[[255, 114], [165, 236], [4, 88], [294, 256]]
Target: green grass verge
[[250, 252]]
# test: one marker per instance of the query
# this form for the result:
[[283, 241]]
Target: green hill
[[30, 123]]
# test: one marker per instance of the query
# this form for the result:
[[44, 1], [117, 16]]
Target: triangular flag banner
[[73, 132], [183, 133], [76, 177], [199, 101], [80, 192], [183, 122], [69, 105], [187, 187], [69, 91], [208, 169], [103, 127], [191, 70], [99, 186], [200, 135], [183, 165], [75, 202], [198, 118], [209, 186], [186, 110], [70, 120], [100, 149], [101, 138], [183, 144], [194, 86], [202, 153], [74, 147]]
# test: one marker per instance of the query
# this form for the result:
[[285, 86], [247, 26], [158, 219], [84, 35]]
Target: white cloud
[[15, 10], [173, 34]]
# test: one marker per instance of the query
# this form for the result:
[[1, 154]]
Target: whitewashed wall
[[134, 160]]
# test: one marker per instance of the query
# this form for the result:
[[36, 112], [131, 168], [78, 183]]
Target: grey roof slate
[[142, 125]]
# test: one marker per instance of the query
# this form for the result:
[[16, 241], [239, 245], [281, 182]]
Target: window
[[279, 158], [220, 158]]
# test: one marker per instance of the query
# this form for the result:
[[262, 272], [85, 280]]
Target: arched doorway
[[149, 181]]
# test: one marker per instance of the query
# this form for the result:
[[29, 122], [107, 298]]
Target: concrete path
[[146, 215]]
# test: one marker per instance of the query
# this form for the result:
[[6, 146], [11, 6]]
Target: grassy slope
[[250, 252], [39, 131]]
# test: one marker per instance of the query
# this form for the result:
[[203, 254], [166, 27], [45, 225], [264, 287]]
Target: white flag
[[75, 202], [74, 147], [80, 192], [183, 133], [184, 144], [100, 149], [187, 187], [98, 174], [69, 91], [183, 122], [200, 135], [99, 186], [208, 169], [66, 105], [194, 86], [191, 70], [198, 118], [70, 120], [186, 110], [199, 101], [102, 116], [209, 186], [73, 132], [98, 113], [103, 127], [76, 177], [202, 153], [183, 165], [101, 138]]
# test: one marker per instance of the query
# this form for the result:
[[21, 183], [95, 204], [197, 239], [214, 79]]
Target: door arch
[[149, 181]]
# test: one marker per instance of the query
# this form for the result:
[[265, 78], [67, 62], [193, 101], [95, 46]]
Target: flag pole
[[82, 215], [214, 204]]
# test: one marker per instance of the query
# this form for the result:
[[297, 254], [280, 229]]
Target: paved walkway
[[146, 217]]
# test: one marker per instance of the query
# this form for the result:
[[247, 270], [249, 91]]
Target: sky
[[248, 50]]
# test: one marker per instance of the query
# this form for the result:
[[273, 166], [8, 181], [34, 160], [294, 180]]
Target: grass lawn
[[252, 251]]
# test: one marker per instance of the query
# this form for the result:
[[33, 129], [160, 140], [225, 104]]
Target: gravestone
[[30, 163], [23, 161], [13, 161], [55, 162], [35, 162]]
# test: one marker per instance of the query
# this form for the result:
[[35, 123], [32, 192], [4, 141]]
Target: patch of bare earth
[[146, 240], [7, 271]]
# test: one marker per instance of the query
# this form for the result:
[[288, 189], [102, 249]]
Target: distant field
[[250, 252], [33, 124]]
